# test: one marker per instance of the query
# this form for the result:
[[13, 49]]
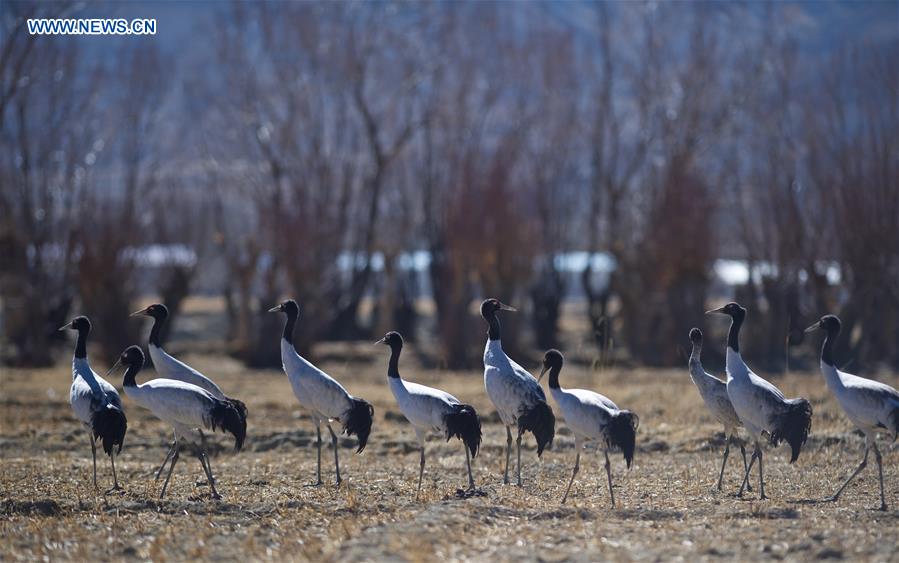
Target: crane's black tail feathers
[[463, 423], [109, 425], [621, 432], [228, 417], [239, 405], [793, 425], [358, 421], [540, 421]]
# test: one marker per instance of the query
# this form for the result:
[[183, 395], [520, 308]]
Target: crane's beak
[[138, 313], [719, 310], [815, 326], [275, 309], [542, 372], [115, 365], [504, 307], [379, 341], [66, 326]]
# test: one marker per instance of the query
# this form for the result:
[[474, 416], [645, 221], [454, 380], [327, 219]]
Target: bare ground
[[668, 507]]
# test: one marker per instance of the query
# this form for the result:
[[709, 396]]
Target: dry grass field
[[667, 505]]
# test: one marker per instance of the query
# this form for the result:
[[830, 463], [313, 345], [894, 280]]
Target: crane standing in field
[[322, 395], [432, 410], [186, 407], [870, 405], [517, 396], [96, 403], [714, 394], [591, 416], [169, 367], [761, 406]]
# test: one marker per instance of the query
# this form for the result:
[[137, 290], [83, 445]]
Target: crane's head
[[157, 310], [695, 336], [133, 356], [551, 359], [392, 339], [288, 307], [80, 323], [490, 306], [828, 323], [733, 310]]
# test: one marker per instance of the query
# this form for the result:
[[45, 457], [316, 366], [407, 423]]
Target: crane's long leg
[[724, 462], [168, 457], [883, 502], [745, 465], [861, 466], [609, 475], [762, 495], [518, 444], [336, 461], [94, 454], [207, 468], [508, 453], [318, 448], [577, 466], [421, 464], [468, 463], [169, 476], [204, 462], [755, 453], [115, 477]]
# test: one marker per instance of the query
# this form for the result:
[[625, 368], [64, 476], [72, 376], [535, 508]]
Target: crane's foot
[[215, 495], [115, 489], [883, 506], [316, 484]]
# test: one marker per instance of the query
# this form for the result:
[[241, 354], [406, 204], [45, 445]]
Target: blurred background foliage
[[390, 164]]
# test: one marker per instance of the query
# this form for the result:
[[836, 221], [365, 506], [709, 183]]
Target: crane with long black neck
[[714, 394], [431, 410], [170, 367], [872, 406], [516, 394], [321, 394], [96, 403], [762, 407], [186, 407], [591, 416]]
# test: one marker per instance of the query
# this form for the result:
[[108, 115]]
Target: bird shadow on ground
[[463, 494], [810, 501], [654, 515]]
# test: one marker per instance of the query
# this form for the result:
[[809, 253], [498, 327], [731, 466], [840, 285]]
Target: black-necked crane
[[516, 394], [96, 403], [321, 394], [871, 406], [186, 407], [591, 417], [714, 394], [761, 407], [169, 367], [432, 410]]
